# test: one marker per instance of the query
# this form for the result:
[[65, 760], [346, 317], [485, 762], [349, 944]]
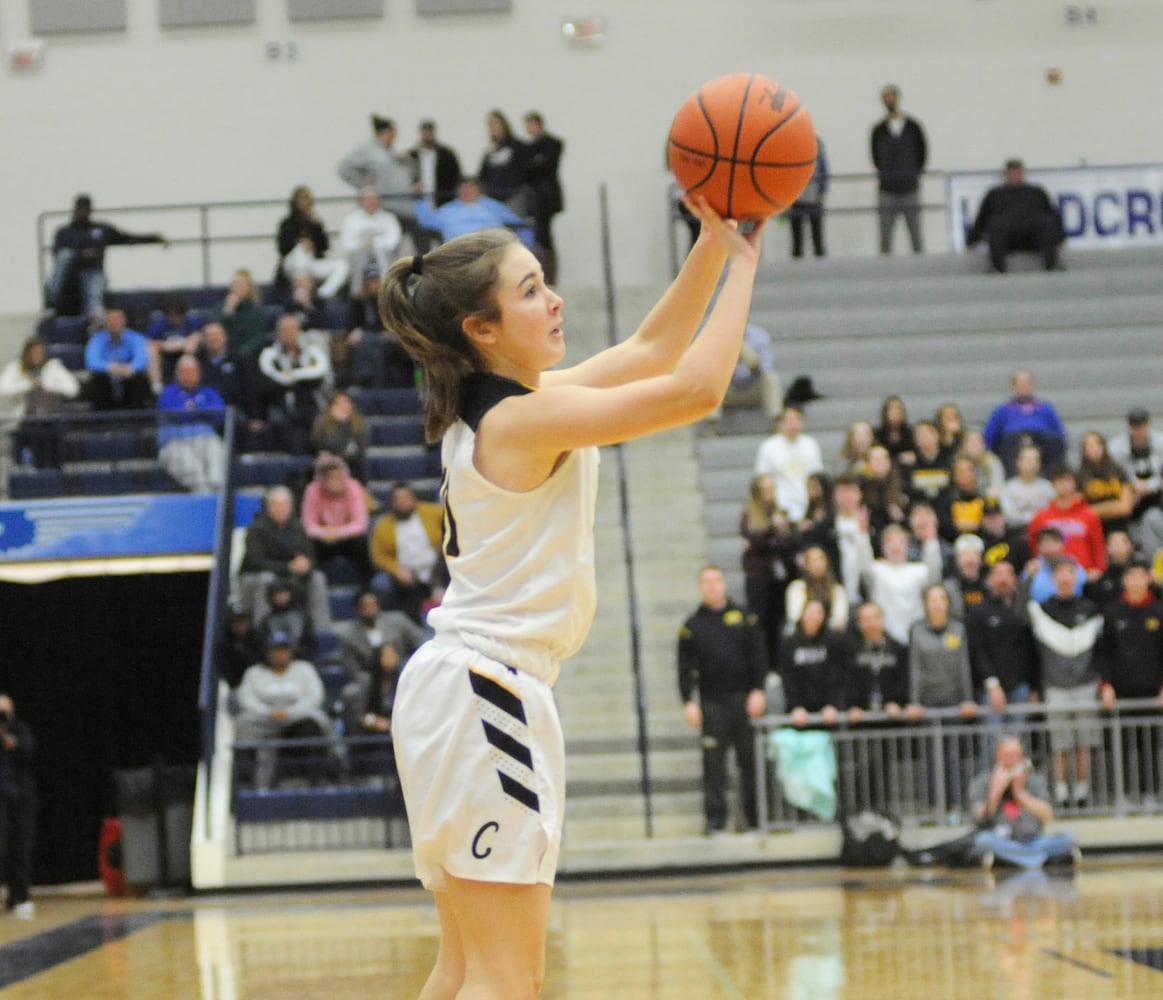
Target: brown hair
[[425, 302]]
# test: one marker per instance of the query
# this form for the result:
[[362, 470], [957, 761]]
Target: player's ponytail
[[425, 300]]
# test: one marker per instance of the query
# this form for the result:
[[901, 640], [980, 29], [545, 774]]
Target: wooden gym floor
[[790, 933]]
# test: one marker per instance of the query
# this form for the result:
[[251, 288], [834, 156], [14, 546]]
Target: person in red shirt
[[1072, 515]]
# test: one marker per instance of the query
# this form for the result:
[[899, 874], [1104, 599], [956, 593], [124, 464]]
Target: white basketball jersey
[[521, 565]]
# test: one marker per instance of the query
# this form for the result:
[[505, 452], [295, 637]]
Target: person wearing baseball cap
[[1140, 452]]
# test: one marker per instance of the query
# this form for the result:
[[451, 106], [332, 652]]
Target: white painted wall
[[148, 116]]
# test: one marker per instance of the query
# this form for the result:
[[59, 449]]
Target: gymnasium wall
[[162, 115]]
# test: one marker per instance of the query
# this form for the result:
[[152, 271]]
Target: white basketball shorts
[[482, 767]]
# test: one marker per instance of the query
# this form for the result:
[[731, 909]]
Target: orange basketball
[[745, 143]]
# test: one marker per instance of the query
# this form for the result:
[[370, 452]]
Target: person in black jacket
[[1017, 216], [899, 153], [543, 156], [877, 678], [812, 664], [722, 664], [438, 174], [78, 269], [1002, 653], [17, 807]]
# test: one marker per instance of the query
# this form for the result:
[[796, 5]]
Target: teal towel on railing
[[806, 768]]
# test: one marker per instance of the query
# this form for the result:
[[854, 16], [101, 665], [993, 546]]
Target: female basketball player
[[477, 737]]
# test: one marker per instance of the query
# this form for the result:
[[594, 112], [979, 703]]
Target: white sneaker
[[25, 910]]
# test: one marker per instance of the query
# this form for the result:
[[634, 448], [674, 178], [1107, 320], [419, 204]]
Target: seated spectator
[[1011, 805], [770, 544], [285, 614], [407, 555], [1001, 645], [1066, 629], [1017, 215], [1081, 529], [117, 361], [1025, 419], [369, 237], [812, 666], [1105, 484], [375, 715], [241, 645], [895, 433], [281, 699], [929, 473], [755, 382], [277, 546], [293, 376], [232, 374], [789, 456], [77, 283], [1140, 453], [991, 474], [335, 517], [895, 584], [341, 431], [303, 243], [1038, 574], [34, 384], [242, 316], [854, 455], [883, 493], [376, 359], [818, 583], [966, 586], [170, 333], [960, 505], [878, 672], [305, 304], [470, 212], [372, 628], [1120, 552], [191, 450]]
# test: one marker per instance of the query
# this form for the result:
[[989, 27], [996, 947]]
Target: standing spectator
[[960, 505], [991, 474], [341, 431], [813, 665], [883, 494], [78, 267], [118, 361], [1038, 575], [542, 160], [1025, 493], [1001, 645], [1025, 419], [950, 427], [878, 671], [770, 544], [925, 543], [293, 379], [17, 808], [437, 167], [280, 699], [503, 169], [375, 164], [818, 525], [1017, 216], [406, 553], [1140, 453], [277, 546], [1067, 629], [303, 243], [852, 538], [1010, 806], [242, 315], [1081, 529], [189, 449], [721, 669], [335, 517], [789, 456], [1119, 555], [997, 540], [1104, 484], [899, 153], [896, 585], [369, 237], [755, 381], [966, 586], [817, 582], [809, 206], [859, 440], [470, 212], [895, 433], [34, 384], [930, 471]]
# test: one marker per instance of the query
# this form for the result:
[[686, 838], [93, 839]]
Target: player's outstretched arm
[[670, 326]]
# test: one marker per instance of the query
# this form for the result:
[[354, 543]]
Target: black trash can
[[151, 800]]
